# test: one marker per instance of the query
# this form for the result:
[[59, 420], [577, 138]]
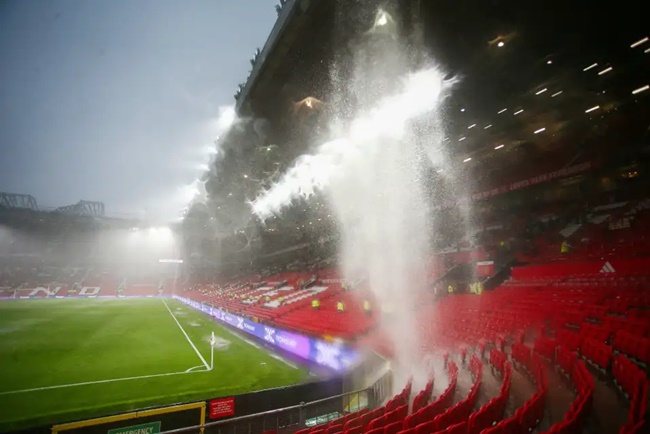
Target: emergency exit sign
[[145, 428]]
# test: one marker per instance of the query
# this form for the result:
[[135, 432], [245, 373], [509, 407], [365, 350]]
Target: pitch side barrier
[[334, 356], [309, 414], [229, 415]]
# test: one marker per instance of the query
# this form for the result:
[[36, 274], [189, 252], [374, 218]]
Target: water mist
[[374, 179]]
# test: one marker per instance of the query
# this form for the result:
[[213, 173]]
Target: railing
[[296, 417]]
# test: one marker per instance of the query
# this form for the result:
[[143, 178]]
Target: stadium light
[[641, 89], [487, 126], [466, 160], [540, 130], [541, 91], [556, 94], [605, 71], [502, 111], [499, 147], [593, 65], [518, 112], [501, 44], [589, 110], [639, 42]]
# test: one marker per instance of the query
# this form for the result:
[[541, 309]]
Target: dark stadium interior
[[539, 317]]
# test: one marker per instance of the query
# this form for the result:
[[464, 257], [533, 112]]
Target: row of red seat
[[363, 420], [634, 383], [437, 407], [574, 418], [634, 346], [454, 419], [491, 413], [628, 375], [421, 400], [497, 359], [527, 417], [599, 353]]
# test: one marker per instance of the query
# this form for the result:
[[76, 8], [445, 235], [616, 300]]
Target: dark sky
[[116, 100]]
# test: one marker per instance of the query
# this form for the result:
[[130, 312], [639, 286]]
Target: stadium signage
[[331, 355], [145, 428], [550, 176], [222, 407], [47, 292]]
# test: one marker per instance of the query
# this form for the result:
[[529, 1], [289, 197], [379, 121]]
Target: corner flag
[[213, 340]]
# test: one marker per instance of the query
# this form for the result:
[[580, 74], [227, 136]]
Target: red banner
[[605, 267], [557, 174], [222, 407], [485, 268]]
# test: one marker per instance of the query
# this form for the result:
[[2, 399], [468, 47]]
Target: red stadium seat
[[509, 426], [366, 418], [459, 428], [376, 423], [333, 429], [426, 427], [393, 428]]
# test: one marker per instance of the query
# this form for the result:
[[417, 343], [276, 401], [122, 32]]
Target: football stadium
[[418, 217]]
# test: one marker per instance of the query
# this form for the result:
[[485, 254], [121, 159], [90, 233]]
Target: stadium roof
[[543, 86], [537, 80]]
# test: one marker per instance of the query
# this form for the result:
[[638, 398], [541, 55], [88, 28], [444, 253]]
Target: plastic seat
[[426, 428], [366, 418], [352, 423], [412, 420], [333, 429], [459, 428], [509, 426], [376, 423], [393, 428]]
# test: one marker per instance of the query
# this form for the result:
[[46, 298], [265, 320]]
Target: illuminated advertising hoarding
[[331, 355]]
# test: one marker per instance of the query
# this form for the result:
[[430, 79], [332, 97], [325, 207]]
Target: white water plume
[[373, 180], [376, 177], [422, 92]]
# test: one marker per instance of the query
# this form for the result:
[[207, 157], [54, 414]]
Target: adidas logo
[[607, 268]]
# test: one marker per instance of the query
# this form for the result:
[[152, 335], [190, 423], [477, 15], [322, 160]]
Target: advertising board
[[328, 354]]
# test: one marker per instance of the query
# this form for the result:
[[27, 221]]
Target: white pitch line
[[281, 359], [187, 337], [86, 383]]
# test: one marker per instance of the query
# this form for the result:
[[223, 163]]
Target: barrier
[[295, 417], [327, 354], [141, 422], [191, 418]]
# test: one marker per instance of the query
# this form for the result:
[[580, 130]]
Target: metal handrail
[[262, 414]]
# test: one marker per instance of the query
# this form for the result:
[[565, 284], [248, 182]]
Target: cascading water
[[374, 180]]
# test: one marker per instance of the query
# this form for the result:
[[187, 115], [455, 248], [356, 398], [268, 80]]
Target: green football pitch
[[68, 359]]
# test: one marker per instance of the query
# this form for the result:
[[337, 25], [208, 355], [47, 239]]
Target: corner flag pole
[[213, 341]]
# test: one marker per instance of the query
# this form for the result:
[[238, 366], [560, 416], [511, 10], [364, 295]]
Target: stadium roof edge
[[288, 12]]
